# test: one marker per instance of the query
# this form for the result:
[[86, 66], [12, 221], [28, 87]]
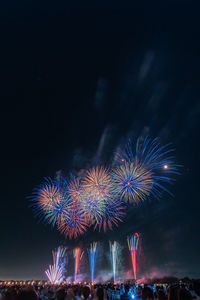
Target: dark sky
[[77, 79]]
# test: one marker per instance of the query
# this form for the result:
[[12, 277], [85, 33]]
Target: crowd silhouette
[[172, 291]]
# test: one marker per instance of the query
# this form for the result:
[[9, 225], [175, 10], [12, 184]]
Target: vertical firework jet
[[58, 254], [78, 253], [114, 257], [54, 273], [92, 258], [133, 242]]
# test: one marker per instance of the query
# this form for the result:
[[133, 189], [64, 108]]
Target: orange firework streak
[[133, 247], [77, 257]]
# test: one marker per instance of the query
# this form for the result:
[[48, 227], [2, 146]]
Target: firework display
[[133, 242], [56, 272], [101, 196], [114, 257], [92, 259]]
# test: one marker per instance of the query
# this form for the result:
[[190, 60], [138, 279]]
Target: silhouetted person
[[147, 293], [184, 294], [161, 295], [173, 293], [60, 294], [100, 293], [125, 296], [28, 295], [86, 292]]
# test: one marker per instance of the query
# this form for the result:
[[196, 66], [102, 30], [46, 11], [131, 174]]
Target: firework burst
[[131, 182], [96, 193], [76, 224], [50, 201], [100, 197], [145, 173], [114, 214]]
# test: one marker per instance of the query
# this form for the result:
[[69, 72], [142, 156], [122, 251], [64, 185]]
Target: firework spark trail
[[114, 257], [92, 258], [78, 253], [133, 242]]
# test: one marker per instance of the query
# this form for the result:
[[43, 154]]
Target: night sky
[[78, 78]]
